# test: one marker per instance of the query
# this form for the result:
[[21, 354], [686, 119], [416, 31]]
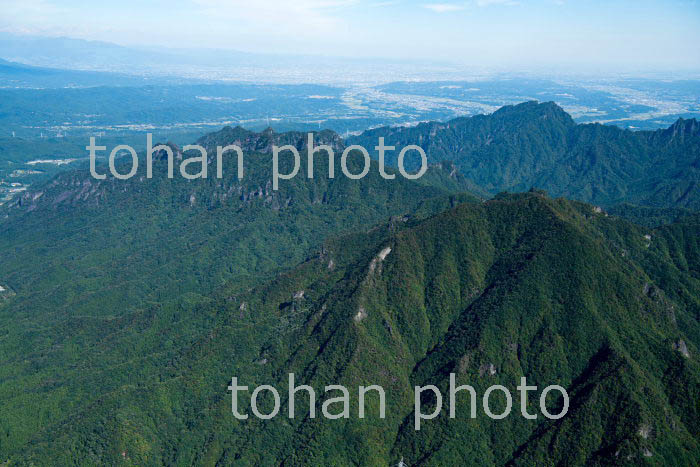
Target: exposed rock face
[[5, 292], [250, 141], [361, 314], [71, 188], [377, 261], [681, 130], [487, 368], [645, 431], [384, 253], [162, 154], [681, 347], [80, 188]]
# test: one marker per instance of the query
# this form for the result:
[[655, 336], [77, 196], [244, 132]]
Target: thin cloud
[[387, 3], [483, 3], [280, 17], [444, 7]]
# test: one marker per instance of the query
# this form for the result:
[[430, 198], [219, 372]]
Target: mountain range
[[19, 75], [127, 306], [538, 144]]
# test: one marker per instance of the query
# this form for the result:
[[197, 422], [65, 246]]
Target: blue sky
[[644, 34]]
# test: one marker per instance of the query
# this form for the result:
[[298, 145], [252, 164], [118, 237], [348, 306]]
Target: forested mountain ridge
[[80, 189], [106, 274], [521, 285], [539, 144], [253, 142], [129, 304]]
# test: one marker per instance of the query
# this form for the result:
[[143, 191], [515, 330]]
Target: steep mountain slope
[[531, 144], [521, 285], [101, 276], [127, 306]]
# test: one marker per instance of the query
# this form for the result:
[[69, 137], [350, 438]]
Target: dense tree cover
[[650, 216], [15, 153], [532, 144], [129, 305], [522, 284], [106, 275]]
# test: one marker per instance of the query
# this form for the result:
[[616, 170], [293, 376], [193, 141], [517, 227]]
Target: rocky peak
[[252, 142], [162, 155], [681, 130], [543, 110]]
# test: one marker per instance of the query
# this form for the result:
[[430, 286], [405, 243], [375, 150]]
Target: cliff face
[[262, 143]]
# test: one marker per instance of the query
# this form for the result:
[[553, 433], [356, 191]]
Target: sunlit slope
[[539, 145], [105, 278], [522, 285]]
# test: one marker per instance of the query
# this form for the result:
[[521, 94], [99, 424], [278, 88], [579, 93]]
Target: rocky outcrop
[[261, 143]]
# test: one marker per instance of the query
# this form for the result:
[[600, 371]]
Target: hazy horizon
[[570, 36]]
